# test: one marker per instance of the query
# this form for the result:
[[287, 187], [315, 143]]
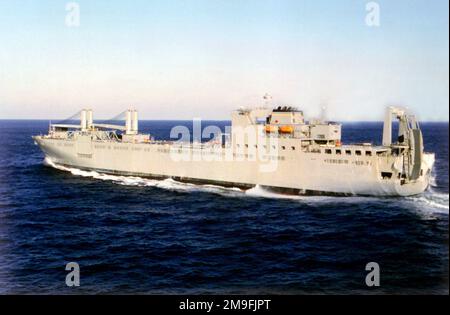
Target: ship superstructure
[[275, 148]]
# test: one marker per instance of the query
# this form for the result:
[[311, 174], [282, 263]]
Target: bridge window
[[357, 152], [368, 153], [327, 151], [348, 152], [293, 148], [338, 152], [283, 147]]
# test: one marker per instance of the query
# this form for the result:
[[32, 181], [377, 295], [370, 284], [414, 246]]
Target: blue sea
[[133, 235]]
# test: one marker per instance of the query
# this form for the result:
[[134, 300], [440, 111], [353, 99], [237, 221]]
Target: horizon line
[[343, 121]]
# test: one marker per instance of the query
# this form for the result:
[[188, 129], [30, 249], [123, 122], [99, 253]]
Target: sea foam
[[430, 201]]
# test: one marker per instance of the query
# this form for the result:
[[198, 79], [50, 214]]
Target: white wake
[[429, 202], [168, 183]]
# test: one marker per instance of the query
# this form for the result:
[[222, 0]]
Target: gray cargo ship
[[273, 148]]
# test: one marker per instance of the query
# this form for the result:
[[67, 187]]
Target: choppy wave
[[431, 200], [428, 201]]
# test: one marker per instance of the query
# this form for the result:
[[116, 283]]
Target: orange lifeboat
[[270, 129], [286, 129]]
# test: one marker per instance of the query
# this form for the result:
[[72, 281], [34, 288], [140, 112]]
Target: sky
[[191, 58]]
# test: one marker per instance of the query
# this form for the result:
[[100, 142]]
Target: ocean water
[[135, 235]]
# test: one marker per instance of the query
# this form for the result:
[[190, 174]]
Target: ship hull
[[295, 171]]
